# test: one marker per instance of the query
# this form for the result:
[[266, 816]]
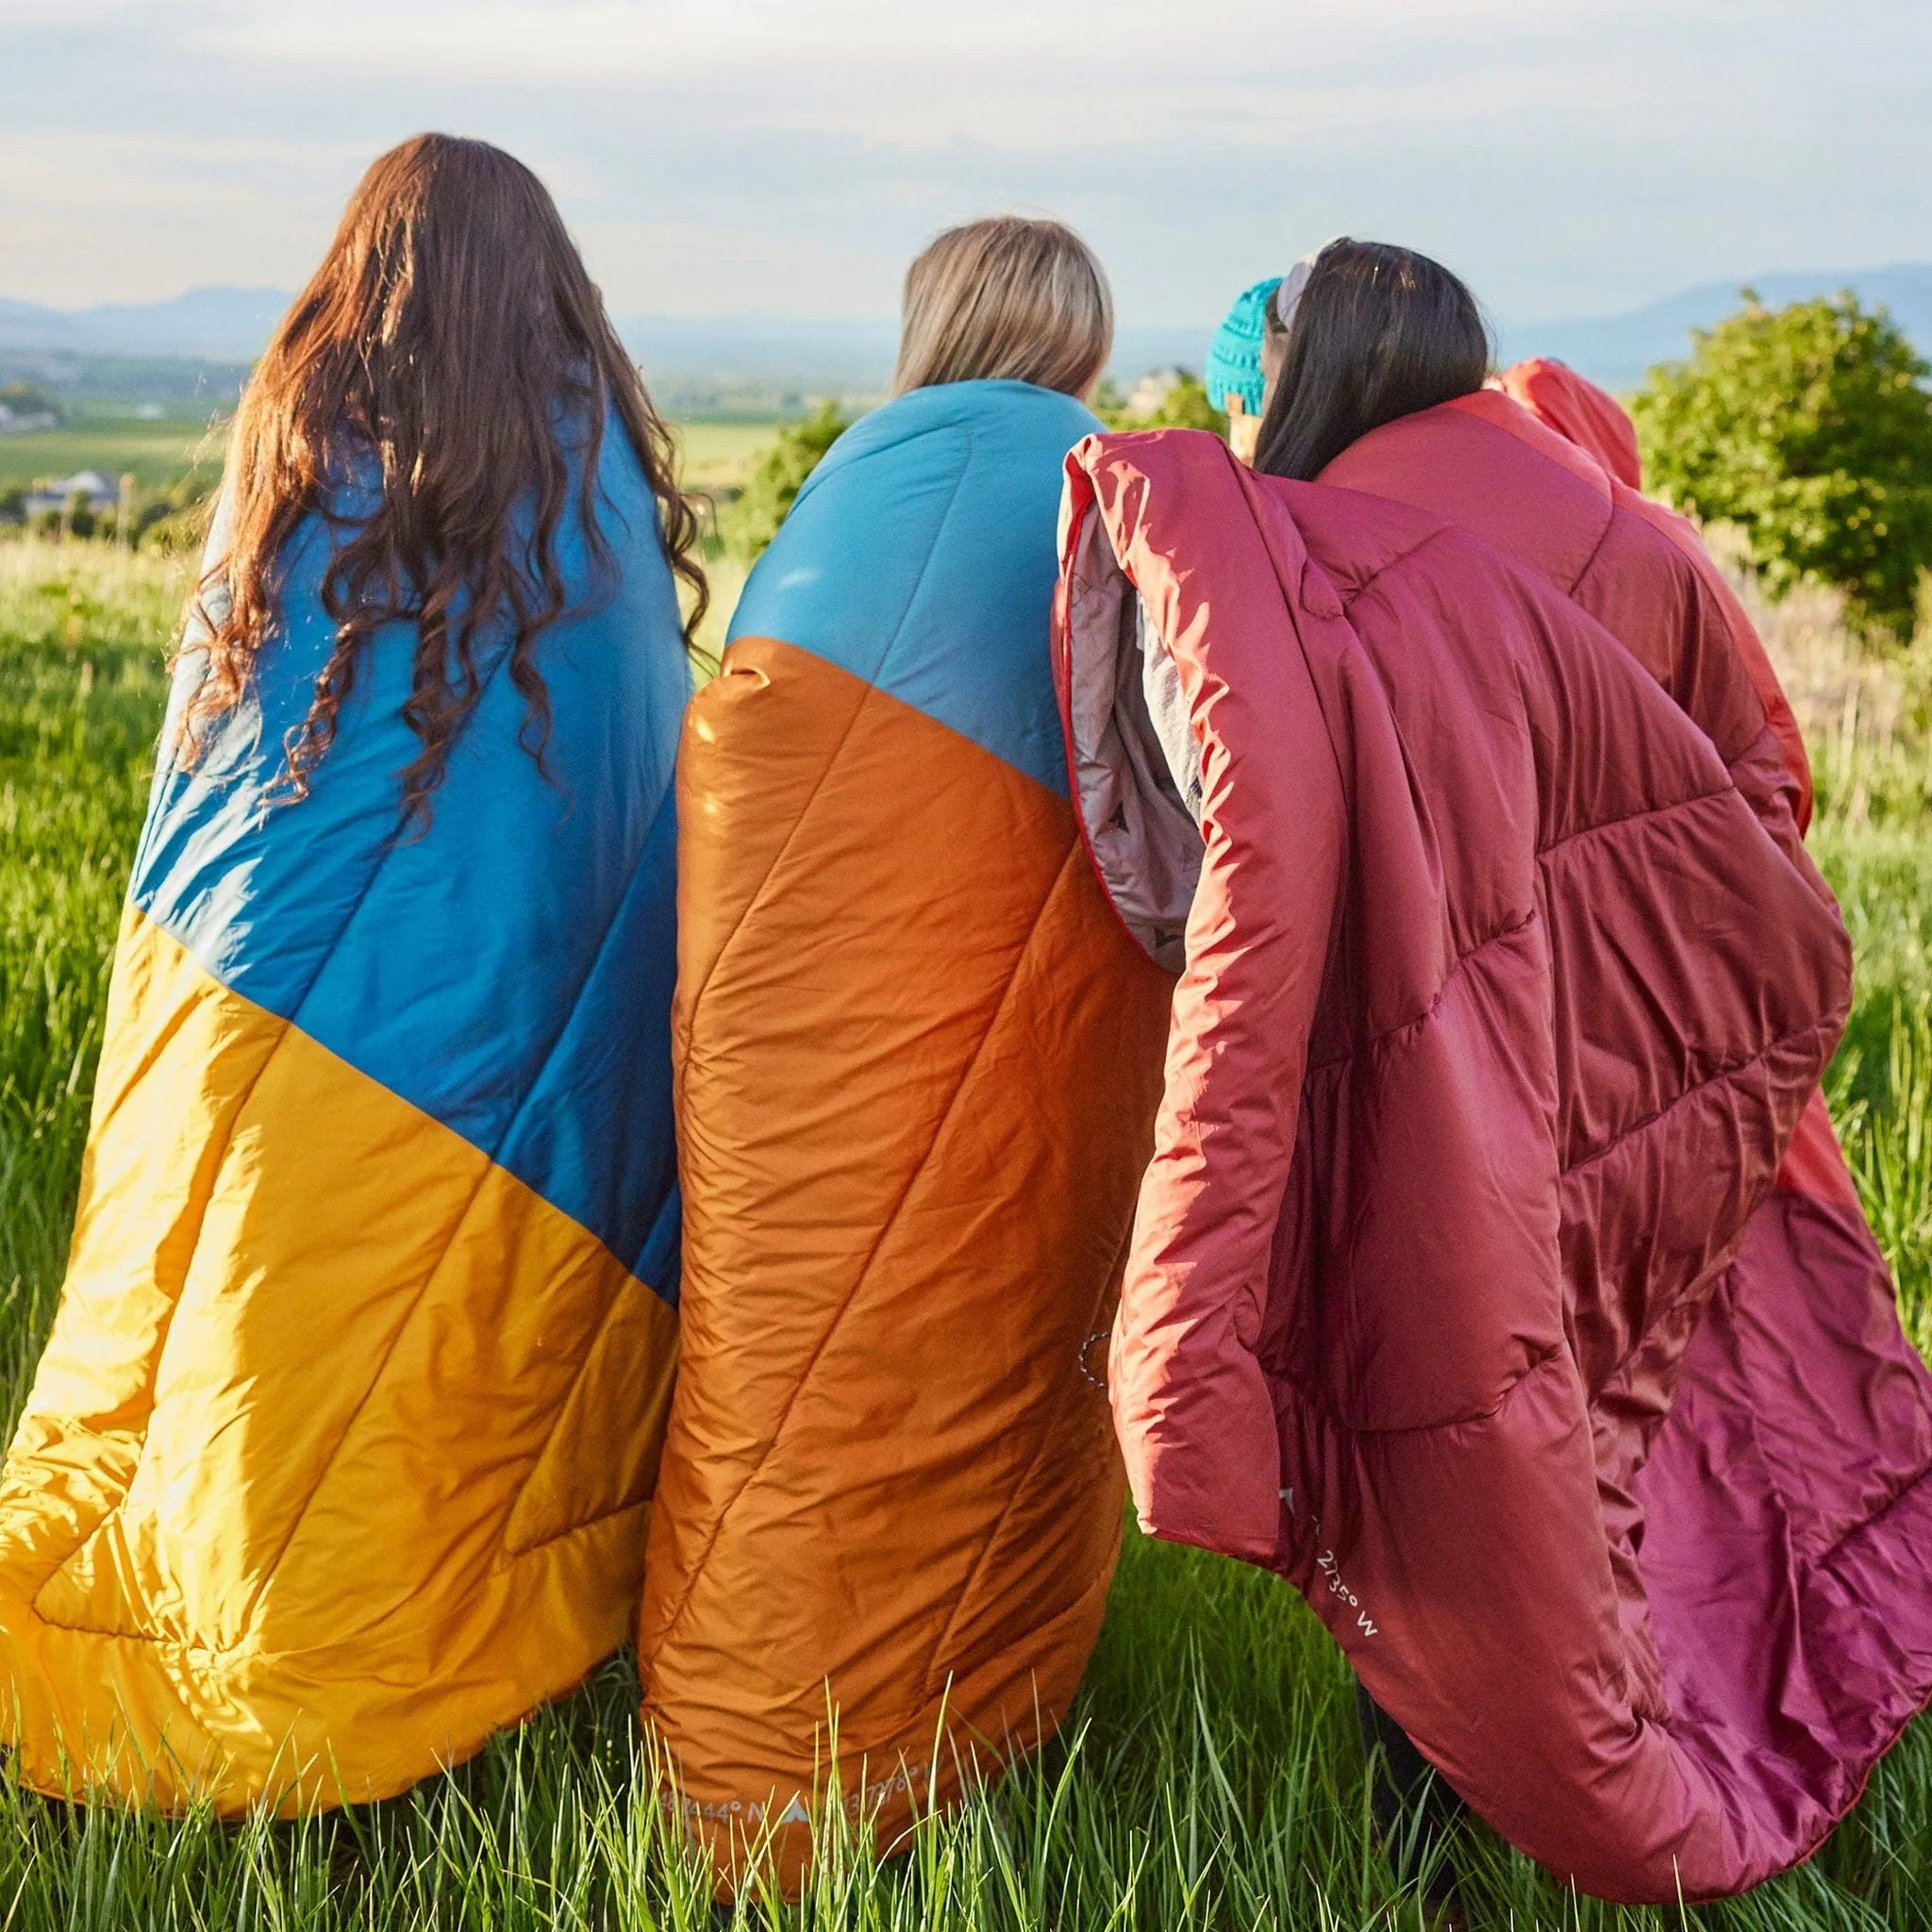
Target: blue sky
[[785, 156]]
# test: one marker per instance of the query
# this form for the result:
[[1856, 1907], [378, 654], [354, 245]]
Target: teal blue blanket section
[[921, 556], [511, 971]]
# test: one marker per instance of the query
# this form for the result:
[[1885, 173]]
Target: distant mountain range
[[228, 326], [225, 325], [212, 325], [832, 355], [1616, 350]]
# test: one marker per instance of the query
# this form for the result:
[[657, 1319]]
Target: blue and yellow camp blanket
[[341, 1451]]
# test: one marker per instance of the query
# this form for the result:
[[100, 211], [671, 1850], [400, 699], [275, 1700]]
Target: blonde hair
[[1006, 298]]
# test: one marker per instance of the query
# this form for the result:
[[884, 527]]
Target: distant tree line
[[27, 401]]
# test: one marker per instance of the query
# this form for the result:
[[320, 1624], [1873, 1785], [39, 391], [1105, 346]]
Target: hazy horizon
[[854, 319]]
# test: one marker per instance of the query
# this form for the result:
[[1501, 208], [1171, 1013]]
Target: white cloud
[[1033, 75]]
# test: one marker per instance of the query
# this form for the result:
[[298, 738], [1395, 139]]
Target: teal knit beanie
[[1234, 363]]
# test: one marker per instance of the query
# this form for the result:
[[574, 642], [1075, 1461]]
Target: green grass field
[[1211, 1775], [157, 454], [717, 455]]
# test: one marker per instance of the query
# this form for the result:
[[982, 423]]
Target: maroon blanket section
[[1460, 1291]]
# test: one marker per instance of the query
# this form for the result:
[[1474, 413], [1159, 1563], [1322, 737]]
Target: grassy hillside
[[1211, 1777]]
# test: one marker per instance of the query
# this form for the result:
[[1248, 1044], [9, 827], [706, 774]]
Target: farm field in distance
[[156, 452], [716, 454], [1211, 1774]]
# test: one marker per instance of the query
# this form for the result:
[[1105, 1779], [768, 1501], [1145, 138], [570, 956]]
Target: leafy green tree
[[751, 520], [1811, 429]]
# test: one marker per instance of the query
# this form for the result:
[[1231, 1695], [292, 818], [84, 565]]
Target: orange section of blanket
[[918, 1062]]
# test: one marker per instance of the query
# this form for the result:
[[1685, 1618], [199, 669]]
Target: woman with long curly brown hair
[[428, 370], [352, 1408]]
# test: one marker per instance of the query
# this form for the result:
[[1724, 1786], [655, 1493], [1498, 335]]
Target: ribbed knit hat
[[1234, 363]]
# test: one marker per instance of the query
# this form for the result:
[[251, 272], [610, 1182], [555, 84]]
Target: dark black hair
[[1379, 332]]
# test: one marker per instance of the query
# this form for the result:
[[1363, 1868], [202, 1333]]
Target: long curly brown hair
[[452, 352]]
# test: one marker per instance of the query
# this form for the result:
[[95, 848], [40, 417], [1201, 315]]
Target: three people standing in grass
[[1421, 752]]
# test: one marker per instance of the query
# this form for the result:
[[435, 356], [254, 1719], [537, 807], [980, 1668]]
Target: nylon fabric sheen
[[1597, 424], [917, 1064], [1567, 403], [1491, 466], [1578, 410], [1810, 1284], [1501, 1005], [341, 1451]]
